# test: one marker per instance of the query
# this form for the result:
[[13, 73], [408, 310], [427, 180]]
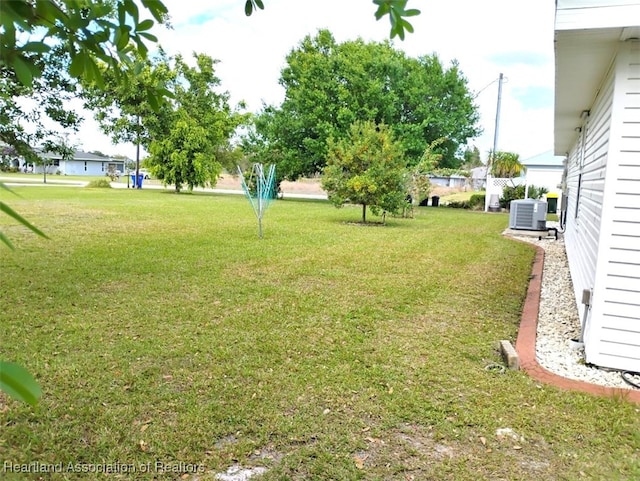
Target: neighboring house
[[597, 127], [478, 178], [545, 170], [82, 163], [456, 181]]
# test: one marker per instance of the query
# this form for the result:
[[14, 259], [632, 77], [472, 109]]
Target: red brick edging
[[526, 344]]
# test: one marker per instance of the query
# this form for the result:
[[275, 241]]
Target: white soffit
[[587, 14], [583, 58]]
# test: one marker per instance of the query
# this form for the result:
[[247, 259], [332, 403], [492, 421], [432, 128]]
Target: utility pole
[[490, 198], [495, 133]]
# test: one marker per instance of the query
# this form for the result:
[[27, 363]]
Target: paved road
[[12, 181], [38, 182]]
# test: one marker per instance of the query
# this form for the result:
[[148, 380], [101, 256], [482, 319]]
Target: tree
[[192, 136], [435, 103], [419, 182], [328, 86], [47, 47], [366, 168], [472, 158], [505, 165], [121, 106]]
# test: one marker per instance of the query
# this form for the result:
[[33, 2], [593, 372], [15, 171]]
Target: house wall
[[603, 225], [458, 182], [39, 169], [82, 167], [550, 178], [615, 329]]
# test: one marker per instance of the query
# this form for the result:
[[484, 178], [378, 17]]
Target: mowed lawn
[[163, 330]]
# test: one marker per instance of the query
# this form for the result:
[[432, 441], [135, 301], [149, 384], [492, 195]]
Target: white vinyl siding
[[585, 181], [615, 339]]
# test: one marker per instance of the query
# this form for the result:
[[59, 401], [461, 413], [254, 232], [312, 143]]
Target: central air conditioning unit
[[528, 214]]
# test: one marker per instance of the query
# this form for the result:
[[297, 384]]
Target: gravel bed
[[559, 322]]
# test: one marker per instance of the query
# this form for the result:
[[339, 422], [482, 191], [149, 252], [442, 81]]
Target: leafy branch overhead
[[395, 9], [18, 383], [4, 208], [87, 31]]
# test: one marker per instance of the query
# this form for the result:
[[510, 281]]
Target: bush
[[511, 193], [476, 201], [514, 193], [459, 204], [536, 192], [100, 184]]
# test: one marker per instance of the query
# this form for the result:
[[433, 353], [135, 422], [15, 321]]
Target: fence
[[495, 186]]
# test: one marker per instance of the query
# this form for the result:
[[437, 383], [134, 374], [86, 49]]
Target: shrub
[[100, 184], [476, 201], [514, 193], [459, 204], [511, 193], [536, 192]]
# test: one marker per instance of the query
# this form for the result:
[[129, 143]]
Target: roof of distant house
[[81, 155], [479, 172], [545, 159]]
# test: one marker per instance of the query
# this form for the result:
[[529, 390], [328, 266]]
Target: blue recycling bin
[[139, 183]]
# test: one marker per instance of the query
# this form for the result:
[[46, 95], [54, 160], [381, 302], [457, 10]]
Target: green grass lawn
[[53, 178], [162, 329], [459, 196]]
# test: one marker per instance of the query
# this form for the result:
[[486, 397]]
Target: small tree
[[419, 183], [471, 158], [505, 165], [534, 192], [367, 168]]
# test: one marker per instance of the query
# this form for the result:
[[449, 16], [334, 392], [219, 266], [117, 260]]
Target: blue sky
[[489, 37]]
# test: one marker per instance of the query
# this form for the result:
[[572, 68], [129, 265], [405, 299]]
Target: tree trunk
[[364, 213]]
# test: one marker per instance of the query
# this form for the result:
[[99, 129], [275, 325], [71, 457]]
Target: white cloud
[[514, 37]]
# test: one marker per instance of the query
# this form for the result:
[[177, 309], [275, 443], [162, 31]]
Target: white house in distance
[[597, 126], [545, 170], [82, 163]]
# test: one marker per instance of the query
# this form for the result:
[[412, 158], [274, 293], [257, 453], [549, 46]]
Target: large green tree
[[120, 103], [187, 136], [367, 168], [191, 137], [328, 86]]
